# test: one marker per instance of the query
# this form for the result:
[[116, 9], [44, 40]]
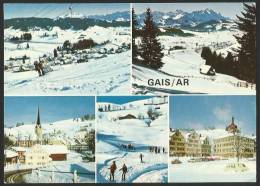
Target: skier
[[124, 171], [41, 68], [141, 157], [112, 171], [163, 149], [158, 150], [155, 150], [36, 65]]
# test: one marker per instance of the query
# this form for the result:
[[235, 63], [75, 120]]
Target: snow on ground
[[109, 75], [40, 45], [62, 171], [213, 171], [112, 134], [185, 64], [64, 130]]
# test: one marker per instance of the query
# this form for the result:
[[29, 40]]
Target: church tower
[[38, 128]]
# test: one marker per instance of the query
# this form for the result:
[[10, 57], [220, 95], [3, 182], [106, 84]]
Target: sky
[[121, 99], [24, 109], [226, 9], [199, 112], [53, 10]]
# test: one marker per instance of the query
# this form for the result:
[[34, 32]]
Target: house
[[193, 144], [56, 152], [21, 153], [205, 147], [128, 116], [177, 144], [228, 144], [207, 70], [37, 156], [11, 157]]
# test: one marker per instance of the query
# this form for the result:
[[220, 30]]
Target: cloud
[[194, 125], [223, 113]]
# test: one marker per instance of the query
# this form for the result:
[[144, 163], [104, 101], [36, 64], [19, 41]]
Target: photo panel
[[194, 48], [67, 49], [132, 143], [212, 139], [49, 140]]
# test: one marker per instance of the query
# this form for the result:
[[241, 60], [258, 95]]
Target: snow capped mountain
[[184, 19], [73, 15], [117, 16]]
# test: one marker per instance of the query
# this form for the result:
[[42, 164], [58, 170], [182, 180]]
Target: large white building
[[37, 156]]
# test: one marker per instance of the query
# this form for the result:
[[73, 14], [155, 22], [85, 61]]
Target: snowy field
[[185, 64], [62, 172], [213, 171], [107, 75], [112, 133], [65, 130]]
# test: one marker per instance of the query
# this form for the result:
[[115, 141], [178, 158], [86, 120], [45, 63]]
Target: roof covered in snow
[[10, 153], [205, 68], [20, 149], [56, 149]]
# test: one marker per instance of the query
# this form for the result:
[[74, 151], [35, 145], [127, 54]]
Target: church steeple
[[38, 122], [38, 128]]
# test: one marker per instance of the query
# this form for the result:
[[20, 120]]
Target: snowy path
[[108, 75], [136, 170]]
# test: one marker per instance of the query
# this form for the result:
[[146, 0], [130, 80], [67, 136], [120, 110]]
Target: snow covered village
[[131, 144], [212, 152], [196, 50], [56, 152], [55, 49]]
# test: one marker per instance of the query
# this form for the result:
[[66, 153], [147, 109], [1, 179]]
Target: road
[[16, 176]]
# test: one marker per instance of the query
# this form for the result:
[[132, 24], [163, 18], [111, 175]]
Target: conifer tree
[[247, 50], [134, 36], [150, 50]]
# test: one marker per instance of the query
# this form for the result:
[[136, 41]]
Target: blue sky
[[52, 10], [121, 99], [226, 9], [199, 112], [24, 109]]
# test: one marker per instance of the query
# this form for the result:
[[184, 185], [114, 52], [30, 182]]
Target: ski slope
[[185, 64], [112, 134], [110, 75]]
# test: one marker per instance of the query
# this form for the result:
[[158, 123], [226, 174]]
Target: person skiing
[[124, 171], [141, 157], [112, 171], [158, 150], [163, 149], [36, 65], [41, 67]]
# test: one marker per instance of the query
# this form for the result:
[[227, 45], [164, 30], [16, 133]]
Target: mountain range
[[197, 20]]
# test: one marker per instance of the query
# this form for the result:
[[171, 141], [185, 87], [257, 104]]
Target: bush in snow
[[83, 44], [152, 113]]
